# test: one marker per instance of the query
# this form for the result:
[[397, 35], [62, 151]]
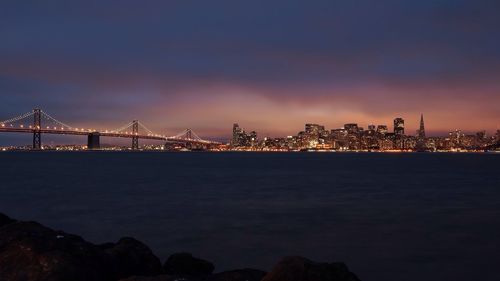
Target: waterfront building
[[313, 135], [468, 141], [237, 131], [385, 144], [241, 139], [252, 139], [481, 139], [455, 139]]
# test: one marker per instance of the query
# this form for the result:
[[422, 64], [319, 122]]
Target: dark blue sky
[[269, 65]]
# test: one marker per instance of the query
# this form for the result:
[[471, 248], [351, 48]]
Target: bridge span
[[37, 122]]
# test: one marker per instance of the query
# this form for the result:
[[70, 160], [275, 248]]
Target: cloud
[[270, 65]]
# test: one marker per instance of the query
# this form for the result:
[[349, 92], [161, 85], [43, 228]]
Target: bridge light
[[22, 126]]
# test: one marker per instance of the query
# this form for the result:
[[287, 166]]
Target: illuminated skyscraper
[[421, 144], [399, 126], [240, 138], [236, 134], [352, 128], [314, 129], [252, 138], [421, 131], [382, 129], [456, 138]]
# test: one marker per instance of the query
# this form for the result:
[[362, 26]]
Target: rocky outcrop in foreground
[[186, 264], [302, 269], [30, 251]]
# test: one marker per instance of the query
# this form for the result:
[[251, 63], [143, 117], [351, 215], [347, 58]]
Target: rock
[[132, 257], [163, 278], [246, 274], [4, 220], [233, 275], [30, 251], [302, 269], [186, 264]]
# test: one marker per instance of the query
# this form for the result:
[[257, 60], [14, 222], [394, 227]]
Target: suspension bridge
[[38, 122]]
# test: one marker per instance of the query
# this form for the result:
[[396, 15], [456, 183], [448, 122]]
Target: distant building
[[421, 130], [481, 139], [385, 144], [455, 138], [313, 135], [352, 137], [252, 139], [420, 140], [399, 126], [237, 132], [352, 128], [382, 129], [314, 129], [241, 138]]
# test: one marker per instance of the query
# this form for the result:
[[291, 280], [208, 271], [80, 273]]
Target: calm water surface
[[388, 216]]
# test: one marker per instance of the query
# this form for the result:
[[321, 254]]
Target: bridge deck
[[102, 134], [80, 133]]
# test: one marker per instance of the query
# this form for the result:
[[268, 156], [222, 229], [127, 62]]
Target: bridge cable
[[20, 117], [48, 117]]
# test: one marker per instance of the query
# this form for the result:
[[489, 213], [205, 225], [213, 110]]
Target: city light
[[315, 137], [353, 138]]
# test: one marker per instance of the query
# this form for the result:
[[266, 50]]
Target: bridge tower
[[135, 132], [189, 134], [37, 126], [93, 141]]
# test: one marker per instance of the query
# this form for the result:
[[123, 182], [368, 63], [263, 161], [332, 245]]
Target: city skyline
[[350, 137], [375, 138], [405, 129], [270, 65]]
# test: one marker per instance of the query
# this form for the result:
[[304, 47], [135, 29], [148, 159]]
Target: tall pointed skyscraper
[[421, 131], [421, 142]]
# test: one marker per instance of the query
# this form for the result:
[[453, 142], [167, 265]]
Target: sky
[[270, 66]]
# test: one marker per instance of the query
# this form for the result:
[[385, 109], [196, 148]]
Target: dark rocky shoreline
[[30, 251]]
